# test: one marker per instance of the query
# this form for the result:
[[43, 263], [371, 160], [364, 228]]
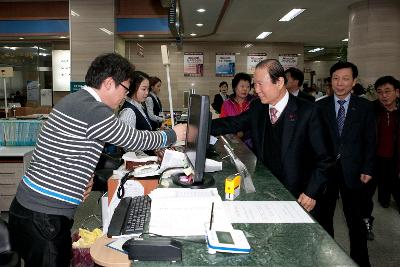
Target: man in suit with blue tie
[[288, 135], [353, 133]]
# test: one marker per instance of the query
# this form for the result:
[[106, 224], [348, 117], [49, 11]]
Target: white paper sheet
[[186, 212], [266, 212]]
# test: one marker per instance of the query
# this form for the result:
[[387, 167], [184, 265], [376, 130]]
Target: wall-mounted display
[[225, 64], [193, 64], [253, 59], [288, 61]]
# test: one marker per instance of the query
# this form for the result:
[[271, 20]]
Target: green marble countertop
[[272, 244]]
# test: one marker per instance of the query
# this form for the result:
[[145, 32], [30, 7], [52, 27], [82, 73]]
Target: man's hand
[[306, 202], [88, 189], [365, 178], [180, 131]]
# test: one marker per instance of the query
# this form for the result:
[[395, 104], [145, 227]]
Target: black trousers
[[352, 199], [388, 182], [40, 239]]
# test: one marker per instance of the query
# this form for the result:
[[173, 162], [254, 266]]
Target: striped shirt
[[69, 147]]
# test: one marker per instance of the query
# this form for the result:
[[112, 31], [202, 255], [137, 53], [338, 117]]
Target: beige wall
[[208, 84]]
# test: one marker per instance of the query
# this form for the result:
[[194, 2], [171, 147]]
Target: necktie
[[341, 116], [273, 115]]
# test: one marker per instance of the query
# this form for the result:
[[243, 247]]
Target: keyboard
[[130, 216]]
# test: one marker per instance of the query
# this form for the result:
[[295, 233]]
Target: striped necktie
[[273, 115]]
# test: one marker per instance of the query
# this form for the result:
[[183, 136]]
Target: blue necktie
[[341, 116]]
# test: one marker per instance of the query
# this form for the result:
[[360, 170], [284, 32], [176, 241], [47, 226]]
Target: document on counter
[[186, 212], [266, 212]]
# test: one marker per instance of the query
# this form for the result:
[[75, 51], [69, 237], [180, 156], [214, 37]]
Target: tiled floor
[[384, 250]]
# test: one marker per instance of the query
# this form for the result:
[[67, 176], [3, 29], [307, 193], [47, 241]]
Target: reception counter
[[301, 244]]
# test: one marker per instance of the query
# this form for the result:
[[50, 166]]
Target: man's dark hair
[[108, 65], [275, 69], [387, 79], [344, 65], [137, 79], [296, 74], [222, 83], [153, 81], [241, 76]]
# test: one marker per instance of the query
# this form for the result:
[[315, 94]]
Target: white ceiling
[[323, 24]]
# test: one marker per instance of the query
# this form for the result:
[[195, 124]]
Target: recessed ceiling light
[[299, 54], [73, 13], [192, 84], [201, 10], [263, 35], [292, 14], [193, 34], [199, 24], [248, 45], [316, 49], [317, 61], [106, 31], [345, 40], [21, 38], [141, 35]]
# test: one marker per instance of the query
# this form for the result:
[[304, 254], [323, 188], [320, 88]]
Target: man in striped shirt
[[67, 151]]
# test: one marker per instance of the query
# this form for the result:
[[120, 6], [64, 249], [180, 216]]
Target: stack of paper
[[186, 212]]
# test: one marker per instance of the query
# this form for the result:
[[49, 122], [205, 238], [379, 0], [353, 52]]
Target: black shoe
[[384, 205], [368, 224]]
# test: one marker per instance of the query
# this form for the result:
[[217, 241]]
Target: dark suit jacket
[[305, 96], [357, 144], [217, 104], [305, 153]]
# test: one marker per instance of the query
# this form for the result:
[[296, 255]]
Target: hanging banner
[[253, 59], [193, 64], [225, 64], [288, 61]]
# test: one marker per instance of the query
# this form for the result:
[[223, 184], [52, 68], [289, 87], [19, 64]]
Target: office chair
[[8, 258]]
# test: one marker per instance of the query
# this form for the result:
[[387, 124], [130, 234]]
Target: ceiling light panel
[[316, 50], [292, 14], [106, 31], [263, 35]]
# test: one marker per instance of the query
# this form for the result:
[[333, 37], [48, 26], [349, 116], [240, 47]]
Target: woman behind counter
[[153, 103], [132, 111]]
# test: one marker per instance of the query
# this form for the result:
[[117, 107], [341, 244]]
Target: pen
[[212, 215]]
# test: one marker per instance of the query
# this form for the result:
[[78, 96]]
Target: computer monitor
[[197, 140]]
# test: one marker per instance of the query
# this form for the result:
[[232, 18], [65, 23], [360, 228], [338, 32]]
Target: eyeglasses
[[126, 88], [385, 92]]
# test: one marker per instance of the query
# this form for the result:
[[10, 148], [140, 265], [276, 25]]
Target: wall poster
[[225, 64], [288, 61], [61, 60], [193, 64], [253, 59]]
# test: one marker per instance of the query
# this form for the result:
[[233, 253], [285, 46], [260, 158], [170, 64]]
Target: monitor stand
[[181, 179]]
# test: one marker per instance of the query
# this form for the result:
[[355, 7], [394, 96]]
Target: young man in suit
[[353, 132], [295, 78], [287, 134]]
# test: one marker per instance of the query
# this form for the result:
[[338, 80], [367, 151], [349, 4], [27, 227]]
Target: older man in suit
[[287, 133], [353, 132]]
